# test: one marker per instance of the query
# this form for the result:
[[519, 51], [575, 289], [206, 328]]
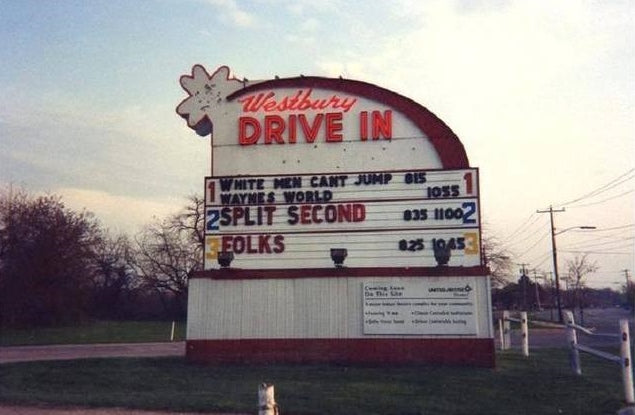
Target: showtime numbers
[[443, 191], [415, 177], [468, 243], [451, 243], [464, 213], [412, 245], [415, 214]]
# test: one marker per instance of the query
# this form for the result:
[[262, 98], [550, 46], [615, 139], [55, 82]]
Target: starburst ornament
[[206, 96]]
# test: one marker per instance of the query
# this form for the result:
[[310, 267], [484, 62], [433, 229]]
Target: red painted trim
[[447, 144], [472, 352], [249, 274]]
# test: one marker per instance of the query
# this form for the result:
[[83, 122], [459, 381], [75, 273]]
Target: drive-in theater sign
[[342, 225]]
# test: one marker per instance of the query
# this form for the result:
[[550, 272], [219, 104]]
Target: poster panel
[[421, 307]]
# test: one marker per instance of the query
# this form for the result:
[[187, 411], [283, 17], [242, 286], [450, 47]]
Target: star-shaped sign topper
[[206, 95]]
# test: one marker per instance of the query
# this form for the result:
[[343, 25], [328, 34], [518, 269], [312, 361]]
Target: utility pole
[[628, 284], [551, 303], [523, 281], [538, 306], [555, 257]]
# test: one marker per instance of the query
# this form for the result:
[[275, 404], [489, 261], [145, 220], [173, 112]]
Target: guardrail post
[[572, 338], [506, 332], [266, 402], [627, 363], [525, 332]]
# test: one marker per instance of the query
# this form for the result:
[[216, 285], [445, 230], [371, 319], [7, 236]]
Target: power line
[[516, 242], [511, 235], [537, 242], [603, 188], [542, 258], [601, 201], [598, 252], [630, 225], [545, 259], [583, 245]]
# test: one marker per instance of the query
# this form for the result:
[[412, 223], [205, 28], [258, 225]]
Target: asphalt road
[[83, 351]]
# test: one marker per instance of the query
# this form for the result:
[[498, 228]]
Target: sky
[[541, 94]]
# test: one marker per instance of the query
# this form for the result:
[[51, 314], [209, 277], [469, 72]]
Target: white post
[[572, 338], [500, 333], [172, 331], [627, 363], [266, 402], [525, 333], [506, 332]]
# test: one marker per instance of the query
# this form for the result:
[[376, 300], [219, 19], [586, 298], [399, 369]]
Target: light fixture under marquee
[[338, 255], [225, 259]]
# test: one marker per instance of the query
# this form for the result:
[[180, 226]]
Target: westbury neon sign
[[289, 111], [272, 117]]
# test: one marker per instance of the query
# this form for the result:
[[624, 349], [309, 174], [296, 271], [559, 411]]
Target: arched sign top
[[446, 143], [208, 94]]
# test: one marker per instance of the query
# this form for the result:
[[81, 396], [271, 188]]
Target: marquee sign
[[396, 217], [342, 224]]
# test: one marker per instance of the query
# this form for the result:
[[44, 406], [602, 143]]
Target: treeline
[[59, 266], [528, 295]]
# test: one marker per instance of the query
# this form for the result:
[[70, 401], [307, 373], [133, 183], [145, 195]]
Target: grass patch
[[95, 332], [541, 384]]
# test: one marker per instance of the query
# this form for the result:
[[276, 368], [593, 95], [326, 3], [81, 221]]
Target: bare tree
[[190, 220], [114, 278], [168, 251], [498, 260], [578, 268]]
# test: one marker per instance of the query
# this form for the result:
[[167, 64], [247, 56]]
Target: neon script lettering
[[300, 101]]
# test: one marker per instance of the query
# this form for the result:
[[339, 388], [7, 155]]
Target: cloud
[[306, 33], [308, 7], [231, 12], [310, 25], [541, 95], [132, 150], [119, 213]]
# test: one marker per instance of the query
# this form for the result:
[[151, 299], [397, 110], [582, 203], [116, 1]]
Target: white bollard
[[500, 333], [525, 332], [506, 330], [266, 402], [172, 331], [572, 338], [627, 363]]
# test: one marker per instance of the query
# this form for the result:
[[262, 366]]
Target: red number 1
[[212, 192], [468, 183]]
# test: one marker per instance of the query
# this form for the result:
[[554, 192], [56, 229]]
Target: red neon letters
[[296, 117], [280, 130]]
